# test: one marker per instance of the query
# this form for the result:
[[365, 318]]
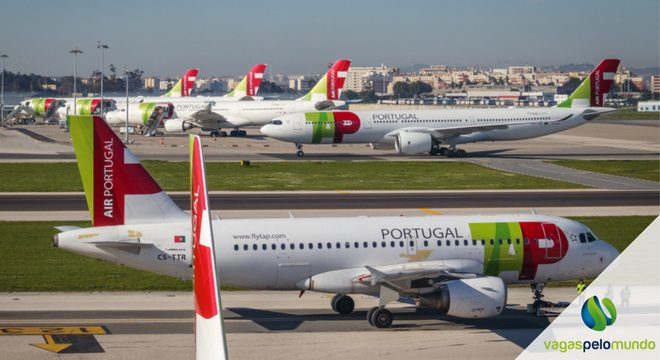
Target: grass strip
[[638, 169], [28, 262], [268, 176]]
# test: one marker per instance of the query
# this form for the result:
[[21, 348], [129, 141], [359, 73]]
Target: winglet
[[210, 340], [249, 86], [185, 85], [533, 211]]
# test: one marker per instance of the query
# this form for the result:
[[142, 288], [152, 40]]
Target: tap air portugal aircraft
[[438, 132], [53, 107], [213, 116], [458, 264]]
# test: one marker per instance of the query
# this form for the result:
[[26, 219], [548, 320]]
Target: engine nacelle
[[468, 298], [410, 143], [177, 125], [381, 146]]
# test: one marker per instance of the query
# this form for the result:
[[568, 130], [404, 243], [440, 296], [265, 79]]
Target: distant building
[[152, 82], [655, 84], [653, 105], [358, 76]]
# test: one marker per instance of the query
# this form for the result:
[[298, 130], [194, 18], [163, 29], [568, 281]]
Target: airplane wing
[[447, 270], [448, 132], [207, 118]]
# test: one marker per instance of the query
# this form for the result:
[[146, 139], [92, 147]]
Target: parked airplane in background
[[458, 264], [215, 115], [210, 340], [438, 132]]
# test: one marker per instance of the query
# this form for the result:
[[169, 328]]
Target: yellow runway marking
[[342, 192], [431, 212], [45, 330]]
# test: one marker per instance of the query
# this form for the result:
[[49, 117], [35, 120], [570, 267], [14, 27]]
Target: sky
[[167, 37]]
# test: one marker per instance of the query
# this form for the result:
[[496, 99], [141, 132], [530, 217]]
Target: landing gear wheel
[[333, 302], [214, 134], [382, 318], [300, 153], [370, 315], [442, 151], [461, 153], [344, 304], [233, 133], [434, 152], [450, 153], [242, 133], [223, 134]]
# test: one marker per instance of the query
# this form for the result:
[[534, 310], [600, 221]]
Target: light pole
[[2, 101], [102, 47], [126, 84], [75, 76]]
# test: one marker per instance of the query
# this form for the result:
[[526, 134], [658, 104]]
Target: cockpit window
[[583, 238], [275, 122], [587, 237], [591, 237]]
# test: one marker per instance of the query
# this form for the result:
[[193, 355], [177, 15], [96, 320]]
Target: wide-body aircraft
[[458, 264], [439, 132], [214, 116]]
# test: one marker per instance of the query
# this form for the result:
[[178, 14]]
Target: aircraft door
[[297, 122], [367, 123], [552, 242], [555, 116], [472, 120], [412, 246]]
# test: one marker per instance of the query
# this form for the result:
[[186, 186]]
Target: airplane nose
[[267, 130]]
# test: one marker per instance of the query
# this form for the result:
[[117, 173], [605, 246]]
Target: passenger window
[[310, 246], [302, 246], [474, 242], [374, 244], [283, 246], [448, 243], [320, 245], [264, 246], [274, 247], [583, 238], [456, 242], [492, 242], [401, 244], [439, 242], [517, 241], [500, 241], [508, 241], [245, 247], [392, 244], [383, 244], [535, 241], [426, 243], [338, 245], [347, 245], [255, 247], [365, 244], [526, 241], [356, 244], [329, 245], [483, 242], [236, 247], [292, 246]]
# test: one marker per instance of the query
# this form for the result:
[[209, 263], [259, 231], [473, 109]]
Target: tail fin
[[594, 89], [210, 341], [118, 188], [250, 84], [330, 86], [185, 85]]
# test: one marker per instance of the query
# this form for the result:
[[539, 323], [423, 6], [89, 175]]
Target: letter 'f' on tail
[[594, 89], [184, 86], [331, 85], [210, 341], [119, 190]]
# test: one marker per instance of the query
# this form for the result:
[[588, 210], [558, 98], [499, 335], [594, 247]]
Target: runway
[[268, 325], [359, 200]]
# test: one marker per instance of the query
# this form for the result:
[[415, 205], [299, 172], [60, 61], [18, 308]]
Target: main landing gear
[[448, 152], [300, 153], [239, 133], [218, 133], [342, 304], [377, 316]]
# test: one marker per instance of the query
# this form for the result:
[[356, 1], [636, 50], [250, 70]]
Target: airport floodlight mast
[[126, 84], [2, 99], [102, 47], [75, 76]]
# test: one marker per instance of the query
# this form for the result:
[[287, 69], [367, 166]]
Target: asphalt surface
[[379, 200]]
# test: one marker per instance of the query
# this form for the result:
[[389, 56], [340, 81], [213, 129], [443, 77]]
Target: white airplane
[[210, 340], [458, 264], [438, 132], [214, 115]]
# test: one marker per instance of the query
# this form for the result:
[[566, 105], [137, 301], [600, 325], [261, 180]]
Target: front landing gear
[[342, 304], [300, 153]]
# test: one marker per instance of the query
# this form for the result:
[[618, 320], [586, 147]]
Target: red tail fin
[[601, 81], [336, 77], [254, 79], [188, 81]]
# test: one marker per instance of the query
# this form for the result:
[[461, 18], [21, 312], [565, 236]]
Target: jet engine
[[177, 125], [467, 298], [410, 143], [381, 146]]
